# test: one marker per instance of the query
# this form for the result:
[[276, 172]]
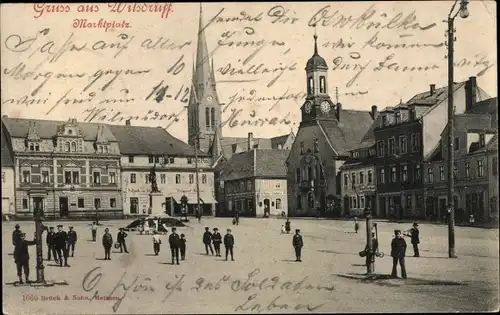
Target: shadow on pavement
[[100, 259], [334, 252], [52, 265], [289, 260], [358, 265], [150, 255], [387, 280]]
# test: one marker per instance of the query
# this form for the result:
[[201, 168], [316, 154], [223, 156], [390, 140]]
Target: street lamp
[[464, 13]]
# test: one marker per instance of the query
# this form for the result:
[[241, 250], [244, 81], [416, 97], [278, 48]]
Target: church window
[[322, 84], [207, 117], [212, 116], [310, 86]]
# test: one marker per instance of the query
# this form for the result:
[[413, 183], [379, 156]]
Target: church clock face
[[308, 107], [209, 99], [325, 107]]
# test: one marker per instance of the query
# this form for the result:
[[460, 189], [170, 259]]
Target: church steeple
[[203, 70]]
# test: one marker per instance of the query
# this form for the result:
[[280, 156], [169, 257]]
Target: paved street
[[204, 284]]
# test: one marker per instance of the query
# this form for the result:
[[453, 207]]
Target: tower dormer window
[[67, 146], [310, 85], [73, 146], [322, 84]]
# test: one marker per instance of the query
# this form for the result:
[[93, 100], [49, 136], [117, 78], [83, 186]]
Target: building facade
[[145, 148], [64, 169], [8, 189], [254, 183]]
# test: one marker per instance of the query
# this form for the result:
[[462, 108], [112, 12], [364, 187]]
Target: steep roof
[[349, 131], [271, 162], [232, 145], [150, 140], [7, 160], [47, 129], [257, 162], [488, 106], [241, 165], [439, 95]]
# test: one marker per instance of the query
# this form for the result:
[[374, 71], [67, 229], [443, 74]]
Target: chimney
[[127, 122], [374, 112], [339, 108], [432, 89], [250, 141], [470, 93]]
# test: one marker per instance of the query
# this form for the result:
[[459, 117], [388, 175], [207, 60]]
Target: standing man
[[288, 227], [16, 235], [414, 233], [51, 244], [107, 243], [93, 228], [120, 238], [217, 240], [22, 257], [62, 246], [297, 244], [229, 243], [398, 251], [207, 240], [237, 217], [174, 242], [72, 238]]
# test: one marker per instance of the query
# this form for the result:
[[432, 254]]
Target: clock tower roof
[[316, 61]]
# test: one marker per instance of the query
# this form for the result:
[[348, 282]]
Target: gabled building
[[326, 134], [8, 183], [475, 166], [254, 183], [407, 134], [64, 169]]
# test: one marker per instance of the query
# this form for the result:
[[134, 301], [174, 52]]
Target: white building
[[8, 186]]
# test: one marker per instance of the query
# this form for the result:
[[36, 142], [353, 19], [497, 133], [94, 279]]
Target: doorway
[[63, 206], [267, 208], [38, 205], [134, 205]]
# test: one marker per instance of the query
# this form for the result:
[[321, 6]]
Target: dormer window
[[33, 146], [384, 120], [412, 114], [398, 117]]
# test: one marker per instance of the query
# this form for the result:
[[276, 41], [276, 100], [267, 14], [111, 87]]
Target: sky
[[59, 62]]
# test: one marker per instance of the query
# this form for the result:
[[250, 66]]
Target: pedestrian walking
[[237, 217], [414, 234], [72, 238], [298, 243], [93, 228], [16, 235], [61, 244], [398, 251], [283, 229], [156, 242], [217, 240], [288, 226], [207, 240], [120, 238], [174, 242], [51, 244], [182, 246], [229, 243], [356, 225], [107, 243], [198, 214], [22, 257]]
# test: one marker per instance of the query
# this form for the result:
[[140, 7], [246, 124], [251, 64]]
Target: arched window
[[105, 149], [73, 146], [100, 149], [322, 84], [278, 204], [67, 146], [207, 117], [212, 117], [37, 147], [32, 147]]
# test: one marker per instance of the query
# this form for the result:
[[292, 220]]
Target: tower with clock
[[318, 105]]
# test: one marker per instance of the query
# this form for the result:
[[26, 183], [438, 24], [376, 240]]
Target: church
[[327, 132]]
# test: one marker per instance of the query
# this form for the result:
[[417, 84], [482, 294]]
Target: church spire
[[202, 73], [315, 41]]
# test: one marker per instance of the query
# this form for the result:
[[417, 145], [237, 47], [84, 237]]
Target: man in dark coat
[[217, 240], [207, 240], [398, 252], [174, 241], [61, 244], [16, 235], [120, 238], [237, 217], [107, 243], [414, 234], [22, 257], [72, 238], [229, 243], [297, 244], [51, 244]]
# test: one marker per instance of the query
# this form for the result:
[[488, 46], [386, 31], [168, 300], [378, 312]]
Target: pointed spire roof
[[316, 61], [32, 133], [216, 146], [202, 74]]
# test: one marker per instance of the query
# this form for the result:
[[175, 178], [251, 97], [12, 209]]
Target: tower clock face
[[308, 107], [209, 99], [325, 107]]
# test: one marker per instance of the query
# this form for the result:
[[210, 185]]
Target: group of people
[[215, 238], [107, 241]]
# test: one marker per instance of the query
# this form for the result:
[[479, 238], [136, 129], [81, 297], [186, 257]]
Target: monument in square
[[156, 198]]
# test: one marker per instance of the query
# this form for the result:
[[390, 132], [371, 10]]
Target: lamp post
[[464, 13], [40, 277]]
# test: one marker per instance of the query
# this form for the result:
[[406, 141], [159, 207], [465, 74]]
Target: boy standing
[[182, 246], [229, 243], [298, 244], [398, 251], [93, 228], [156, 242], [217, 240], [107, 243]]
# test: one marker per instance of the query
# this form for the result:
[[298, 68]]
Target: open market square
[[264, 277]]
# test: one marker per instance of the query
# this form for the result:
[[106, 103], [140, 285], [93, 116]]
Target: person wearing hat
[[414, 234], [217, 240], [156, 242], [298, 243], [398, 252], [61, 244], [51, 244], [229, 243], [72, 238], [182, 246], [207, 240], [93, 228], [22, 257], [16, 235], [107, 243], [174, 242], [120, 238]]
